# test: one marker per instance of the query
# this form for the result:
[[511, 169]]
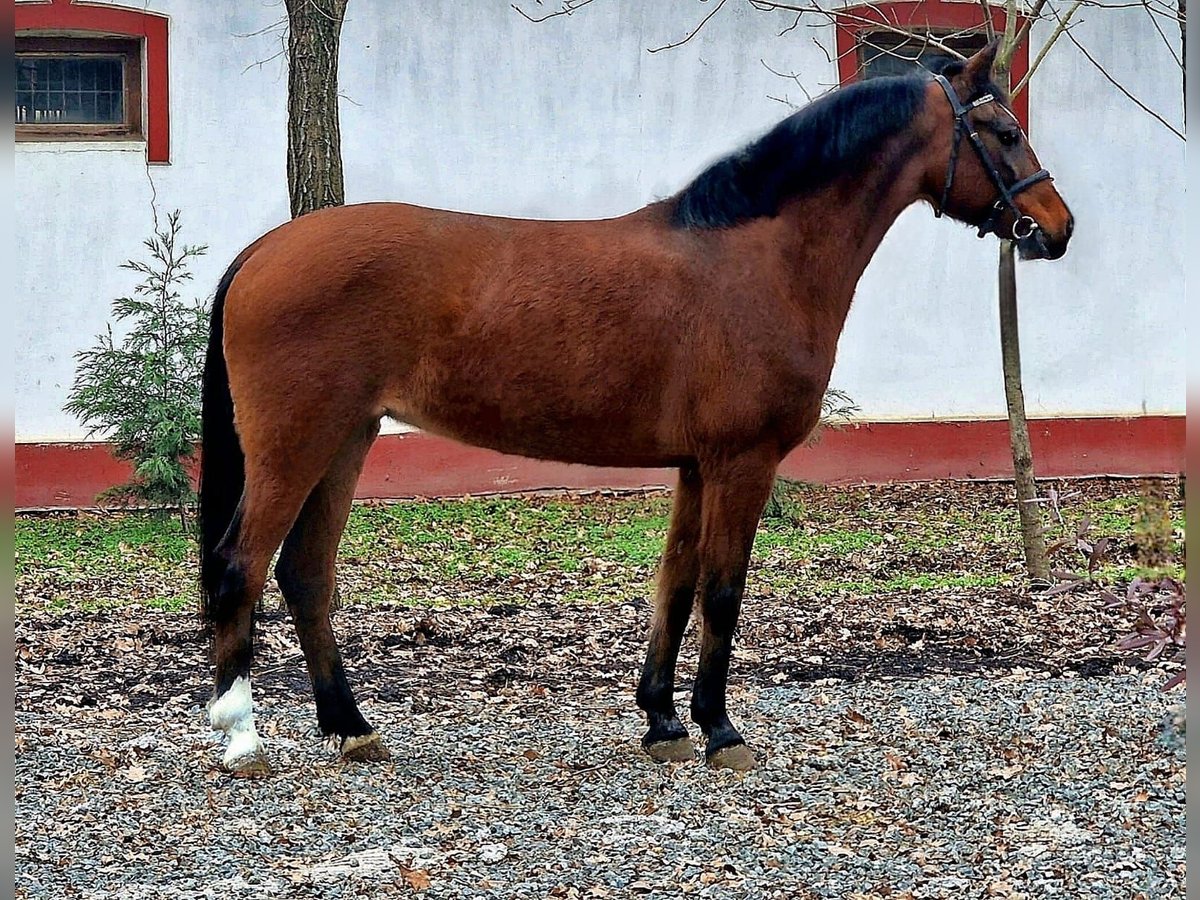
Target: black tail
[[222, 465]]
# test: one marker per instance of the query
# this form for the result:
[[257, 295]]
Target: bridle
[[1023, 225]]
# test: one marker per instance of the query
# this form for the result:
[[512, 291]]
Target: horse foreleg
[[735, 492], [305, 573], [667, 738]]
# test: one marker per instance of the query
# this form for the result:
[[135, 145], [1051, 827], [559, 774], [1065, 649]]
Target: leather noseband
[[1023, 225]]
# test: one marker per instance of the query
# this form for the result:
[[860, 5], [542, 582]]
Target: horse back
[[606, 342]]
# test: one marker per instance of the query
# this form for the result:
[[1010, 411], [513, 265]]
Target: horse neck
[[830, 236]]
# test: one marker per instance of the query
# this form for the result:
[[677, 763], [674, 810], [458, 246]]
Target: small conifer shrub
[[140, 389]]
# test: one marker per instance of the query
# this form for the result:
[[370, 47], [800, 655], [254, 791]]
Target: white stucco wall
[[480, 110]]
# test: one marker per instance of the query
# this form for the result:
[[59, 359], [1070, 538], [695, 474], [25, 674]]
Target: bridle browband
[[1023, 225]]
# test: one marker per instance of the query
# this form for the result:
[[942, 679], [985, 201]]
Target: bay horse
[[697, 333]]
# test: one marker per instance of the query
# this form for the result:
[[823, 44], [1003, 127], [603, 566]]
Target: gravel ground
[[953, 738], [1021, 785]]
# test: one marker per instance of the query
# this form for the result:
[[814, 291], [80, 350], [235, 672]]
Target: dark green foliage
[[1154, 532], [786, 501], [142, 391], [837, 410]]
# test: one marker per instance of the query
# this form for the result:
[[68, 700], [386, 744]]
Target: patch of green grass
[[510, 550], [98, 540], [821, 583], [509, 536], [811, 541]]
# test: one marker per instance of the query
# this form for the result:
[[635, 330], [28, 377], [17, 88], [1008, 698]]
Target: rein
[[1023, 225]]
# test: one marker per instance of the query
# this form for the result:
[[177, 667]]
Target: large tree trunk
[[1032, 531], [314, 150], [314, 153]]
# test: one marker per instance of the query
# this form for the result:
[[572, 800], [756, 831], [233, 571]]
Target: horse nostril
[[1070, 224]]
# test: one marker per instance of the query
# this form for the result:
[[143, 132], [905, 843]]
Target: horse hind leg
[[280, 474], [667, 739], [305, 573], [259, 524]]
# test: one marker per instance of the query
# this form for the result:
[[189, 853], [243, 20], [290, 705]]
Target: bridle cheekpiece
[[1023, 225]]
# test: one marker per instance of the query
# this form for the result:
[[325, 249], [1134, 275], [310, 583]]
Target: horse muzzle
[[1036, 243]]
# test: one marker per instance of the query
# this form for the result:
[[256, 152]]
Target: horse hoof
[[677, 750], [365, 748], [248, 765], [737, 757]]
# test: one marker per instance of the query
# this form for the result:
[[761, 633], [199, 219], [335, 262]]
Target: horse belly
[[593, 420]]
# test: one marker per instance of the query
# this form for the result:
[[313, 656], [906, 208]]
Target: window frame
[[128, 49], [940, 33], [931, 16], [82, 18]]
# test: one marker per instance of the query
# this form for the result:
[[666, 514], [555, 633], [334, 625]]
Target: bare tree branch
[[1160, 9], [1162, 34], [922, 37], [836, 59], [829, 57], [568, 7], [1120, 87], [1003, 62], [1058, 31], [987, 20], [278, 25], [791, 27], [259, 63], [280, 28], [881, 24], [1022, 34], [693, 33], [791, 76]]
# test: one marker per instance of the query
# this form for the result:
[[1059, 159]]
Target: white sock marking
[[233, 713]]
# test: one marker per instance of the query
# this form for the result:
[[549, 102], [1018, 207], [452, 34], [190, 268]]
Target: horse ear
[[977, 71]]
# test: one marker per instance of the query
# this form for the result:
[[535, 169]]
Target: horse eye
[[1008, 138]]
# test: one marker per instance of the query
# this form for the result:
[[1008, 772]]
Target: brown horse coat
[[697, 333]]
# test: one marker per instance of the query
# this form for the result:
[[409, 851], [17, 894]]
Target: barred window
[[882, 53], [78, 88]]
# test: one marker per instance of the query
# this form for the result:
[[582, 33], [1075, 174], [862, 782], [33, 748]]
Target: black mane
[[804, 152]]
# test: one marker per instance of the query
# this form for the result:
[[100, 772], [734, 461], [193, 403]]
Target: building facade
[[484, 111]]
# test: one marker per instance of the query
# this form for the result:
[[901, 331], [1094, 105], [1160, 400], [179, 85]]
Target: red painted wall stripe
[[74, 17], [420, 465]]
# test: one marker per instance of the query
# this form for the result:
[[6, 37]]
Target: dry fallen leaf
[[417, 879], [857, 718]]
